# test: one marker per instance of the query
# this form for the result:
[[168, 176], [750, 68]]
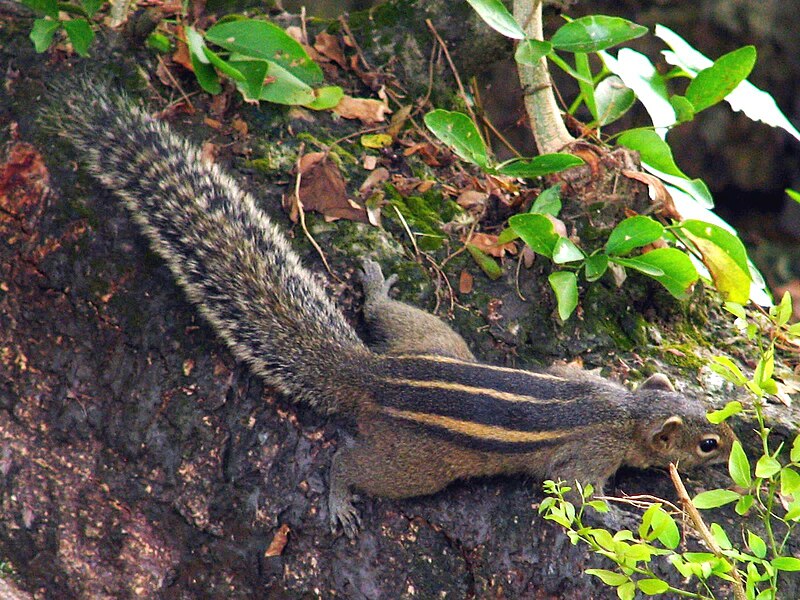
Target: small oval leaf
[[633, 232], [565, 285], [594, 33], [459, 132]]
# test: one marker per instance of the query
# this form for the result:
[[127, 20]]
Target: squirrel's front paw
[[341, 510]]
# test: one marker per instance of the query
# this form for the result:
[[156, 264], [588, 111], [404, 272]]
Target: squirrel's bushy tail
[[225, 252]]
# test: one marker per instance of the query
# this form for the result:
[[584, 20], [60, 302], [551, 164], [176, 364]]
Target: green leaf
[[487, 264], [720, 536], [538, 166], [725, 257], [159, 42], [496, 16], [633, 232], [376, 140], [548, 202], [783, 311], [767, 466], [627, 591], [613, 99], [91, 6], [565, 285], [586, 82], [756, 544], [790, 482], [281, 86], [566, 252], [653, 150], [743, 505], [595, 32], [608, 577], [195, 43], [634, 263], [715, 498], [786, 563], [254, 71], [739, 466], [536, 231], [48, 7], [684, 110], [732, 372], [679, 272], [42, 33], [712, 84], [595, 267], [731, 408], [459, 132], [795, 454], [530, 52], [80, 34], [652, 587], [260, 39], [326, 97], [220, 64], [793, 194], [735, 309], [507, 235]]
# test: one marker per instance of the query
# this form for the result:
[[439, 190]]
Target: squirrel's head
[[676, 430]]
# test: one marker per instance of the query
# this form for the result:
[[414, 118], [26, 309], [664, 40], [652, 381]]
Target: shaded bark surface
[[137, 460]]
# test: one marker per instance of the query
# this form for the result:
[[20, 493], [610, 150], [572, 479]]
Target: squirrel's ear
[[659, 381], [666, 436]]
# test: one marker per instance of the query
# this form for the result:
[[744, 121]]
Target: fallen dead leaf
[[374, 179], [398, 120], [278, 542], [328, 45], [213, 123], [240, 126], [367, 110], [488, 243], [472, 200], [323, 190], [465, 282], [528, 257]]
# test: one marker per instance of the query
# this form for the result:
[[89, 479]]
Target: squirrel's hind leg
[[397, 328]]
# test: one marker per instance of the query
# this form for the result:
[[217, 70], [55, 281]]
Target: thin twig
[[408, 230], [176, 84], [702, 529], [461, 89]]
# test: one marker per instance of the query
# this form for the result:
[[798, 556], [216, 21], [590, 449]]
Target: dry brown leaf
[[558, 225], [322, 189], [465, 282], [328, 45], [488, 243], [472, 200], [398, 120], [213, 123], [376, 178], [424, 185], [240, 126], [181, 54], [278, 542], [528, 257], [369, 111], [658, 193]]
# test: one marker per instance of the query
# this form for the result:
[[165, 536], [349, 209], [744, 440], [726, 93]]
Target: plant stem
[[702, 528], [540, 103]]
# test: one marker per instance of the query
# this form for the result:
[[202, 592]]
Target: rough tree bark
[[137, 460]]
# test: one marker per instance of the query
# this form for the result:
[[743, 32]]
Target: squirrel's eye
[[708, 444]]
